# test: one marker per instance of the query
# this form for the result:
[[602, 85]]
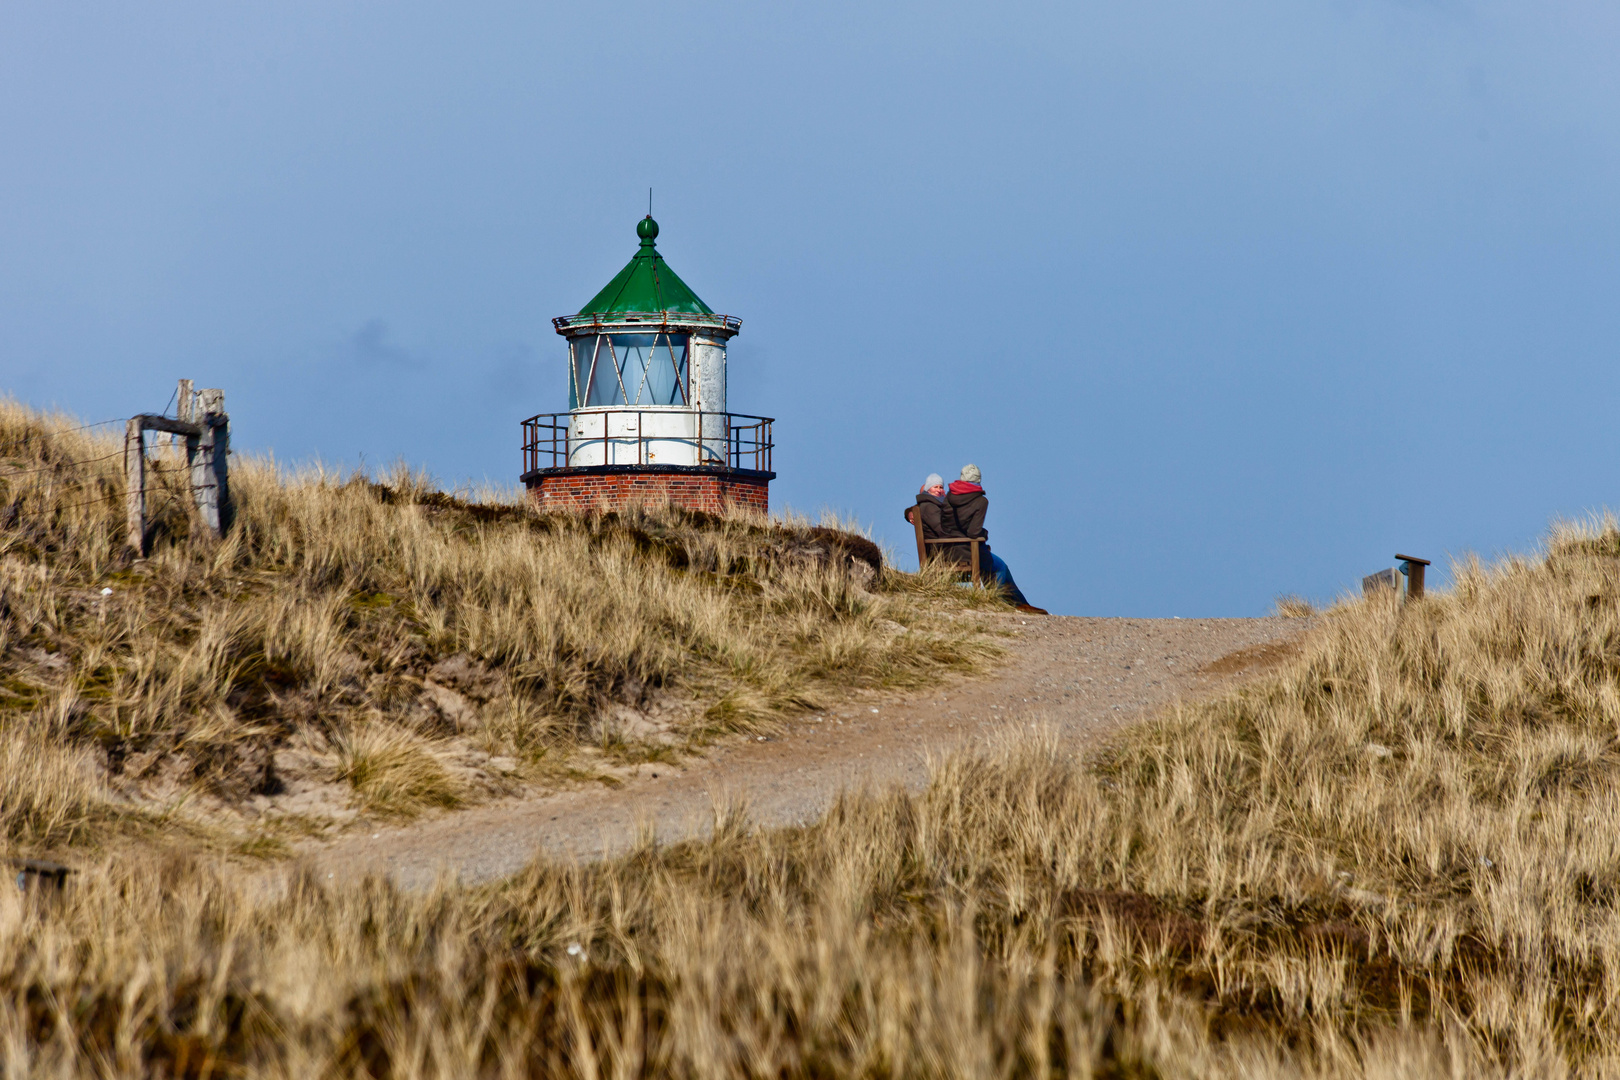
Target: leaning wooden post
[[135, 483]]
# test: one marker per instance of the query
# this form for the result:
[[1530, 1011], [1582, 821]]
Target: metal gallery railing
[[721, 440], [641, 321]]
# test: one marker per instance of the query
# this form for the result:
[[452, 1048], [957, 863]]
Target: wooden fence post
[[210, 483], [135, 483]]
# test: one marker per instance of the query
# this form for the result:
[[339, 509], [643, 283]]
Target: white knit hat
[[971, 474], [934, 480]]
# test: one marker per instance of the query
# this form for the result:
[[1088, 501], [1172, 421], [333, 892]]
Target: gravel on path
[[1083, 677]]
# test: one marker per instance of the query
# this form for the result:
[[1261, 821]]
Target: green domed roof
[[646, 283]]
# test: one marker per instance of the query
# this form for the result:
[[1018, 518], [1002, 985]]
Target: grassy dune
[[1395, 856], [384, 647]]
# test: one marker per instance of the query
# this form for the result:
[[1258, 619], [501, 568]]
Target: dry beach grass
[[383, 647], [1393, 854]]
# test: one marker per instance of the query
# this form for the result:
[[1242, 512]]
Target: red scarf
[[962, 487]]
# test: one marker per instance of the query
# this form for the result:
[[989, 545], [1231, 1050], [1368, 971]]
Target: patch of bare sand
[[1083, 677]]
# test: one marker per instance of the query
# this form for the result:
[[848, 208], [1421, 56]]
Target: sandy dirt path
[[1084, 677]]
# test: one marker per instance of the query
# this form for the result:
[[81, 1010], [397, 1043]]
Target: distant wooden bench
[[923, 545], [35, 875]]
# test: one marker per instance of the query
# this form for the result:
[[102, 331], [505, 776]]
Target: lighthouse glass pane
[[580, 352], [664, 361], [629, 369]]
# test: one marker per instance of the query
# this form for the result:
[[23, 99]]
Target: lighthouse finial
[[647, 228]]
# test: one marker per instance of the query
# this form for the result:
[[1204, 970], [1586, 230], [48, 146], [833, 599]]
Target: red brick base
[[588, 489]]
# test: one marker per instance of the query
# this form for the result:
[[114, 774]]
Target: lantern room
[[647, 418]]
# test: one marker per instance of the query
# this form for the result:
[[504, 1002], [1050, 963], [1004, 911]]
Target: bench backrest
[[924, 543]]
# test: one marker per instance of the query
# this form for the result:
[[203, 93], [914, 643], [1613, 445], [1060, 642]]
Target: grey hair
[[934, 480]]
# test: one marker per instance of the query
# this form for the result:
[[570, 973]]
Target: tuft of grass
[[50, 795], [941, 581], [1290, 606], [393, 772]]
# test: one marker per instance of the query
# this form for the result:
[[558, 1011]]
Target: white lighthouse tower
[[647, 418]]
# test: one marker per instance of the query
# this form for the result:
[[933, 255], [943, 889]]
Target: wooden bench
[[37, 875], [923, 545]]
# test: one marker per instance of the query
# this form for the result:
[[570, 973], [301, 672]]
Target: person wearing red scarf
[[970, 504]]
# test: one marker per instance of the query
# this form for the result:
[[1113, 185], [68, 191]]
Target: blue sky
[[1227, 300]]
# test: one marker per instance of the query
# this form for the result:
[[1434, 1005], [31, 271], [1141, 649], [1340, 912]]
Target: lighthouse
[[647, 419]]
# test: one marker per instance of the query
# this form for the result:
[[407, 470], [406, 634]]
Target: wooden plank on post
[[163, 423], [135, 483], [184, 396], [1412, 567]]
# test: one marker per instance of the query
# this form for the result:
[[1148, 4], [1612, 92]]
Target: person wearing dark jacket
[[968, 503], [937, 521]]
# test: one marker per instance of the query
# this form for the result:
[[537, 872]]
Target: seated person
[[968, 503], [937, 521]]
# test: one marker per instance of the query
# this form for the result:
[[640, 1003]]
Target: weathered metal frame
[[723, 327], [569, 325], [745, 442], [618, 368], [683, 380]]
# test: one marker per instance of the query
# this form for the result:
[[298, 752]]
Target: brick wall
[[607, 491]]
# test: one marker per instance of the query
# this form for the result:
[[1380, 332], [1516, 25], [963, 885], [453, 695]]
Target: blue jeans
[[1004, 578]]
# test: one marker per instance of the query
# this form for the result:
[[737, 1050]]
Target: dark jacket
[[934, 515], [939, 523], [969, 508]]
